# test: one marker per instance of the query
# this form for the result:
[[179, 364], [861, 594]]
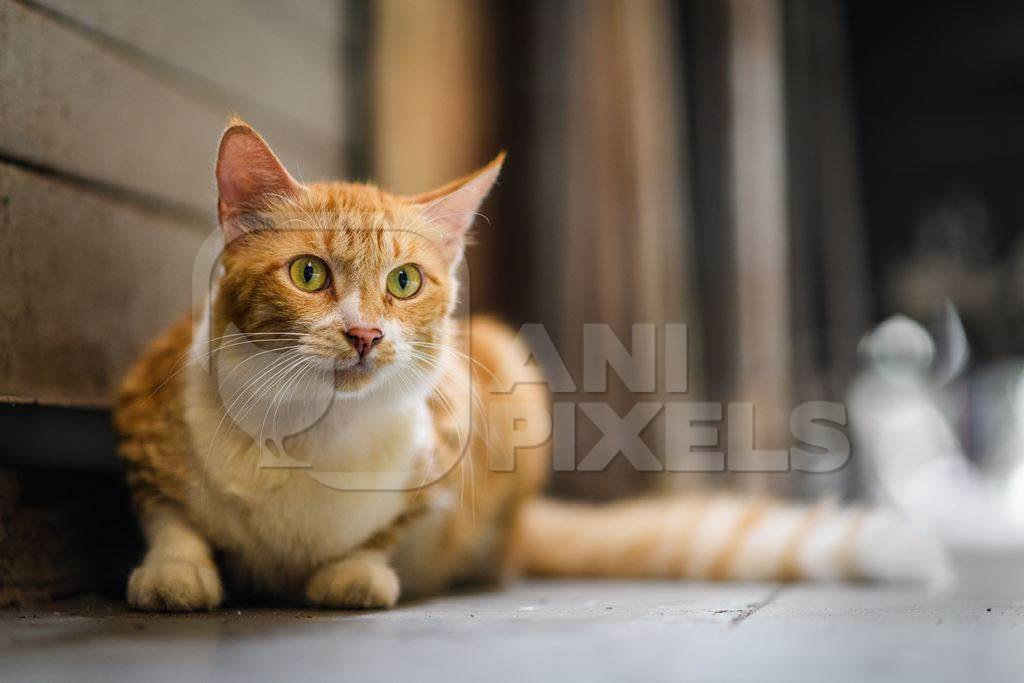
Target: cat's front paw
[[174, 586], [354, 583]]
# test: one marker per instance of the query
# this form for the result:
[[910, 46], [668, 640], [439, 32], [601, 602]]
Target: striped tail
[[720, 537]]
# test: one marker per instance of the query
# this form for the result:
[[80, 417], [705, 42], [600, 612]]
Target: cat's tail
[[720, 537]]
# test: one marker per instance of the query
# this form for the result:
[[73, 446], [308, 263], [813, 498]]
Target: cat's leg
[[361, 580], [178, 573]]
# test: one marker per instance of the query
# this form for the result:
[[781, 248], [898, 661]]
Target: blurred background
[[780, 175]]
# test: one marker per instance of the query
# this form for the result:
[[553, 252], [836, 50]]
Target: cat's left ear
[[451, 210]]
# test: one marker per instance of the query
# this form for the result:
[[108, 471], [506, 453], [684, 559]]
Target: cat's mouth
[[352, 374], [363, 364]]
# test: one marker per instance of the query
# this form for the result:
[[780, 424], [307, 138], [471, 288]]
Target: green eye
[[404, 281], [308, 273]]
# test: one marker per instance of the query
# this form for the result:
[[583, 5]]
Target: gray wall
[[110, 112]]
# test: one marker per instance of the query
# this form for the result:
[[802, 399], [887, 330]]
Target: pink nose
[[363, 339]]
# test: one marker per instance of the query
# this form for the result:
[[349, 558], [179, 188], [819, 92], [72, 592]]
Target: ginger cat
[[347, 282]]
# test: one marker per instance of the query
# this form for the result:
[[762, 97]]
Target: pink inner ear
[[247, 174], [452, 209]]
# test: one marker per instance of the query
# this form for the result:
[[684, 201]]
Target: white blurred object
[[903, 408]]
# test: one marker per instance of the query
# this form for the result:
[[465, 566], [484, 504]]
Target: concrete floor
[[565, 631]]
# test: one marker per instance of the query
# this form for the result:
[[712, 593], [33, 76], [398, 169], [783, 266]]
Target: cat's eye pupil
[[404, 281], [309, 273]]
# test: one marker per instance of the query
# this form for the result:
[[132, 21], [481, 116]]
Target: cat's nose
[[363, 338]]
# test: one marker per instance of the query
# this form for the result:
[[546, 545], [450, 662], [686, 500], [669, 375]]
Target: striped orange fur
[[762, 540]]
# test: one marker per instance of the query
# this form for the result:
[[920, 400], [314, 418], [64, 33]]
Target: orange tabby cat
[[374, 498]]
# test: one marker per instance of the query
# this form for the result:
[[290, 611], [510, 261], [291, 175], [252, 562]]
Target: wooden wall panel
[[279, 59], [70, 102], [87, 281], [110, 113]]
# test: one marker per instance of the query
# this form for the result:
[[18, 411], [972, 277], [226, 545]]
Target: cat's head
[[344, 273]]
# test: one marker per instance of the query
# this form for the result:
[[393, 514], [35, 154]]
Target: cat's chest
[[310, 523], [360, 468]]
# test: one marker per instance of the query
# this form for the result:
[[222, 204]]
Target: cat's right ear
[[248, 173]]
